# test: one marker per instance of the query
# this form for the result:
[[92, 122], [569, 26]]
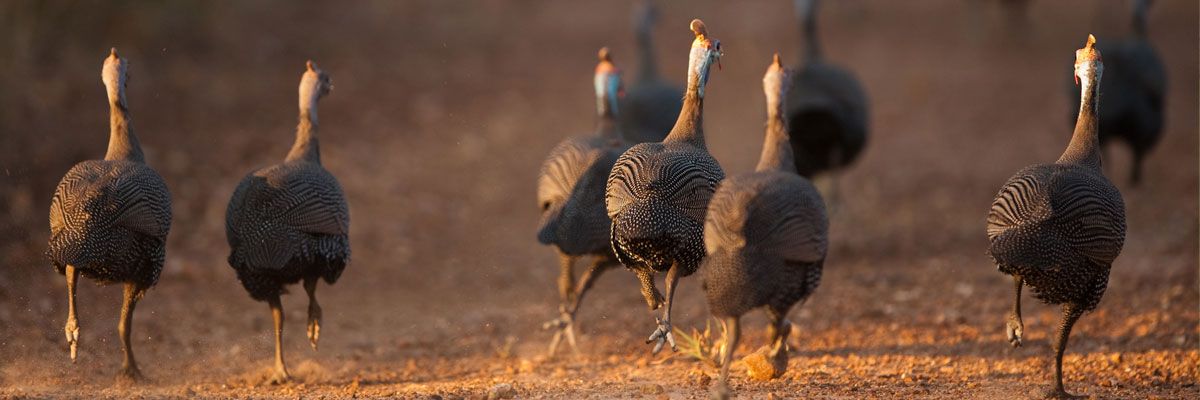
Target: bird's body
[[766, 234], [1057, 228], [290, 222], [662, 192], [570, 192], [571, 189], [657, 194], [766, 237], [109, 219], [287, 222], [827, 118], [651, 105], [1134, 91], [826, 108]]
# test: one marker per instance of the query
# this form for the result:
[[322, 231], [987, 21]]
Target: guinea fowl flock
[[643, 191]]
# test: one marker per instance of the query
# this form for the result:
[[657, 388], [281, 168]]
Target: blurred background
[[442, 114]]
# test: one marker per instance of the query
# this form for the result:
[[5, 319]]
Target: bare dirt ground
[[442, 113]]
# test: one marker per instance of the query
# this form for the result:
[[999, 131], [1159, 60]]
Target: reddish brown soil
[[442, 113]]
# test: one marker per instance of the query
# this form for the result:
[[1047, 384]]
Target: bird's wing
[[309, 198], [126, 194], [145, 202], [562, 169], [1048, 216], [629, 176], [776, 212]]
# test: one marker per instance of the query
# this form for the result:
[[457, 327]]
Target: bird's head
[[314, 84], [705, 51], [775, 81], [115, 76], [1088, 66], [608, 84]]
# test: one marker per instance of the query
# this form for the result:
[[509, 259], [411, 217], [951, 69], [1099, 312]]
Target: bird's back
[[289, 210], [657, 196], [777, 212], [571, 188], [112, 215], [675, 174], [766, 236], [1056, 216]]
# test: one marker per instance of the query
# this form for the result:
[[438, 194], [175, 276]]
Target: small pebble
[[502, 391], [651, 388]]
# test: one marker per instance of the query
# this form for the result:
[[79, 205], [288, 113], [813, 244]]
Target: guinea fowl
[[109, 219], [651, 104], [826, 107], [1134, 90], [571, 195], [290, 222], [657, 194], [1058, 227], [766, 234]]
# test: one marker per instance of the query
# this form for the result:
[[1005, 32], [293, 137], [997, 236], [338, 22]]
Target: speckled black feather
[[286, 222], [110, 219]]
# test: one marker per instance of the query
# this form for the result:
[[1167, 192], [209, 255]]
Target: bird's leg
[[835, 198], [1014, 327], [587, 280], [585, 283], [1071, 313], [281, 374], [732, 335], [663, 333], [566, 287], [72, 328], [654, 299], [129, 368], [779, 329], [314, 310], [1135, 176], [566, 281]]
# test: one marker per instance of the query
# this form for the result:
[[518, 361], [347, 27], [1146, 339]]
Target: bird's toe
[[1058, 393]]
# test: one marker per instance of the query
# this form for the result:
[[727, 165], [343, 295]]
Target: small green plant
[[698, 345]]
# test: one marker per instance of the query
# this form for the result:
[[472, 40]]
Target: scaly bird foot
[[314, 325], [655, 300], [1014, 329], [1058, 393], [130, 375], [662, 335], [720, 391], [565, 325], [279, 377], [72, 332]]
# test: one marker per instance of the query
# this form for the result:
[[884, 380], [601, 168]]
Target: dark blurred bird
[[1058, 227], [657, 194], [290, 222], [109, 219], [649, 109], [1134, 90], [826, 107], [571, 195], [766, 235]]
